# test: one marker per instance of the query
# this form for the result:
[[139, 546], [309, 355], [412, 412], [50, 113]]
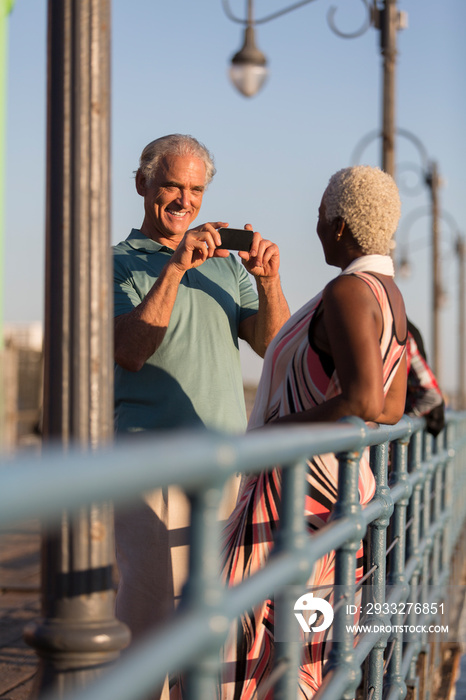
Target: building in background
[[23, 376]]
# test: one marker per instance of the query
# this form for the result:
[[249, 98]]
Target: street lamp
[[431, 178], [248, 70], [438, 293], [248, 67]]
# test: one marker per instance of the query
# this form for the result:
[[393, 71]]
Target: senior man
[[181, 304]]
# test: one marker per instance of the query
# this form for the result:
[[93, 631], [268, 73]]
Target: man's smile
[[179, 214]]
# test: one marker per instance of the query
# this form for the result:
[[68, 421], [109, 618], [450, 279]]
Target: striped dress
[[295, 378]]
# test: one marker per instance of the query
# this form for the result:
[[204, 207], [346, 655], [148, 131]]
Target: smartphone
[[235, 238]]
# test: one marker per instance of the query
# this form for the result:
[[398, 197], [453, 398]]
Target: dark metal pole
[[433, 181], [78, 634], [389, 20]]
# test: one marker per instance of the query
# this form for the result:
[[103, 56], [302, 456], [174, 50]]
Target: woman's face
[[325, 231]]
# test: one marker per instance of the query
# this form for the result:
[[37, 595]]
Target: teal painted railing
[[420, 501]]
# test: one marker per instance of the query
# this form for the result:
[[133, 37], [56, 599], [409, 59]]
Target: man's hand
[[263, 259], [197, 245]]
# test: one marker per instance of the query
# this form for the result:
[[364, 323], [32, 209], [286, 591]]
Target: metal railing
[[419, 500]]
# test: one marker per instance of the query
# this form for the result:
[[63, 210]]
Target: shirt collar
[[138, 241]]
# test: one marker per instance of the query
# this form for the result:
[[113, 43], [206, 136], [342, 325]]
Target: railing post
[[450, 575], [292, 537], [396, 575], [437, 500], [448, 489], [426, 515], [377, 546], [78, 634], [412, 547], [347, 506], [203, 587], [425, 543]]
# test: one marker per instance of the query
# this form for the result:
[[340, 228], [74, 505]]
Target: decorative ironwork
[[330, 17], [422, 171]]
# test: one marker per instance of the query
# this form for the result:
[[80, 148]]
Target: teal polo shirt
[[194, 377]]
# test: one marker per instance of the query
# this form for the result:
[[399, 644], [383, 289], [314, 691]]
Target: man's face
[[173, 198]]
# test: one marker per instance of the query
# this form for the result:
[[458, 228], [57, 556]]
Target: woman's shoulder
[[389, 298], [344, 285]]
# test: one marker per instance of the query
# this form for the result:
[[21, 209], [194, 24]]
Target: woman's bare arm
[[353, 324], [395, 399]]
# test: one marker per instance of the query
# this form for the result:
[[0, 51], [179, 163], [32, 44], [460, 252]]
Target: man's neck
[[169, 242]]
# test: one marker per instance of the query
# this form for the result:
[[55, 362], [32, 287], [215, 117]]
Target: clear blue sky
[[275, 152]]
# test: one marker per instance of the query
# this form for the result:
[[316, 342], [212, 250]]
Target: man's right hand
[[197, 245], [140, 332]]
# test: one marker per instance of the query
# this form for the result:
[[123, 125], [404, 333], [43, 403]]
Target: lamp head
[[248, 69]]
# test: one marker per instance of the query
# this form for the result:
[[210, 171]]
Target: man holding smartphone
[[181, 304]]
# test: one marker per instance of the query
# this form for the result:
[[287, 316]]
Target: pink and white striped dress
[[296, 377]]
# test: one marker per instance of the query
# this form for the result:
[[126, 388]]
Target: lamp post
[[437, 286], [386, 20], [249, 64], [433, 182], [431, 178], [77, 635]]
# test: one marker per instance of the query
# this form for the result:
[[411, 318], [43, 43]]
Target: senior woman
[[342, 354]]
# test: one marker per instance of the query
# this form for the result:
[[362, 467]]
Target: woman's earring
[[340, 232]]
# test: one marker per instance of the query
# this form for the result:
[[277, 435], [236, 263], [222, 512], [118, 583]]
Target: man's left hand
[[263, 258]]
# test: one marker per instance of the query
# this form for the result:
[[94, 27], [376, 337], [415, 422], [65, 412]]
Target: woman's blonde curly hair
[[368, 201]]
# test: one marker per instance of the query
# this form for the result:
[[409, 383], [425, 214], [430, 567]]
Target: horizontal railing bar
[[59, 479], [399, 491], [68, 479], [199, 625], [374, 510], [281, 570], [286, 568], [406, 427]]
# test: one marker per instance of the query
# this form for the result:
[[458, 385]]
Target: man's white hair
[[368, 201], [174, 145]]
